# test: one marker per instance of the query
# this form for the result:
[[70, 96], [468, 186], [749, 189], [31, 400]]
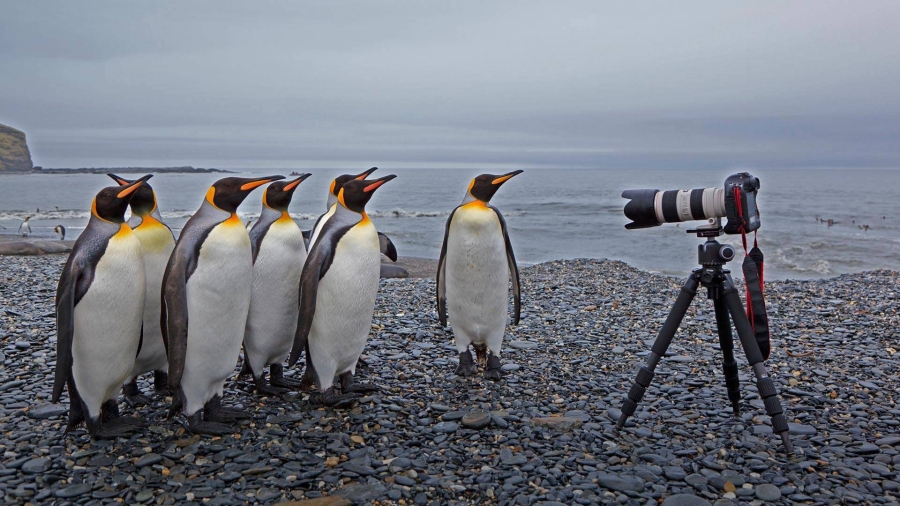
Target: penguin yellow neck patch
[[285, 217], [476, 204], [233, 221], [124, 230]]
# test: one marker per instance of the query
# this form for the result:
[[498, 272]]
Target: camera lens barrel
[[650, 208]]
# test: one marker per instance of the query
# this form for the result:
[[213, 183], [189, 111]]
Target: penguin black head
[[356, 193], [339, 181], [485, 186], [278, 194], [111, 202], [228, 193], [143, 200]]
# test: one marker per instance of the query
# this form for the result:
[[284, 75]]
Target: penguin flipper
[[513, 268], [65, 329], [257, 234], [441, 275], [174, 318], [387, 247], [317, 264]]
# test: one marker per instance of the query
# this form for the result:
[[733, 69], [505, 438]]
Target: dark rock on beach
[[544, 434]]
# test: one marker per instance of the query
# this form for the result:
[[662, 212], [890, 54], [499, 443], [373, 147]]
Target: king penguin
[[205, 299], [99, 308], [473, 277], [278, 257], [338, 288], [157, 243]]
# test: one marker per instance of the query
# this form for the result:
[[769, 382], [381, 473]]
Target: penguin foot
[[492, 370], [125, 421], [343, 401], [307, 382], [348, 386], [214, 412], [264, 388], [467, 366], [198, 425], [108, 432], [361, 362], [137, 400], [276, 378]]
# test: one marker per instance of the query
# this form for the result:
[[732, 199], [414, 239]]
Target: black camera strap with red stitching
[[753, 267]]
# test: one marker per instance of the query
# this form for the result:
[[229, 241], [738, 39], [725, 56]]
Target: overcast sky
[[453, 84]]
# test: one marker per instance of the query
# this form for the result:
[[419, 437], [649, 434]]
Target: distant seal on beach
[[157, 243], [338, 289], [99, 304], [278, 257], [206, 296], [473, 277]]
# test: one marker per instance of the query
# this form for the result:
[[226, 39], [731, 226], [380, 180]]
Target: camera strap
[[754, 269]]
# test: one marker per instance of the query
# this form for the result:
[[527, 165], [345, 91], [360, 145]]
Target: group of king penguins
[[132, 299]]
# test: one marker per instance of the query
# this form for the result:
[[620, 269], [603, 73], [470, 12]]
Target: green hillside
[[14, 154]]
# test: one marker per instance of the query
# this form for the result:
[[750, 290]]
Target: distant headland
[[129, 170]]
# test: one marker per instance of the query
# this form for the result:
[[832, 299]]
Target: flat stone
[[476, 420], [319, 501], [73, 491], [674, 473], [618, 350], [453, 416], [446, 427], [35, 466], [510, 367], [144, 496], [621, 483], [148, 460], [799, 429], [522, 345], [47, 410], [865, 449], [888, 441], [561, 423], [767, 492], [685, 500], [362, 492]]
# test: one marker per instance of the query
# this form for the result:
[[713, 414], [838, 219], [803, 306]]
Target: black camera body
[[740, 203], [736, 202]]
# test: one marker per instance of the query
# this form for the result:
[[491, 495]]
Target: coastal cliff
[[14, 154]]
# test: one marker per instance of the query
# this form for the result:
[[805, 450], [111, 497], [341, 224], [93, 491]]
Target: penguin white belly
[[274, 305], [108, 323], [315, 233], [218, 298], [345, 304], [157, 244], [477, 277]]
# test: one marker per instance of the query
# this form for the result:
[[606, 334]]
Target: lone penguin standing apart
[[338, 288], [25, 228], [278, 257], [205, 298], [157, 243], [99, 306], [473, 277]]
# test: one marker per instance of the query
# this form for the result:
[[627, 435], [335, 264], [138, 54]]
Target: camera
[[736, 201]]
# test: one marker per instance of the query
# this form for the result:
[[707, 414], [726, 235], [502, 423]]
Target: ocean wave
[[787, 259], [62, 214], [402, 213]]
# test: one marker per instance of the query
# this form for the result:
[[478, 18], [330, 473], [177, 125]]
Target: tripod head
[[712, 253]]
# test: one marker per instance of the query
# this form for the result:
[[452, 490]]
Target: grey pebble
[[767, 492]]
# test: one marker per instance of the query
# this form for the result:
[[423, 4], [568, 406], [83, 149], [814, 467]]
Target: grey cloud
[[581, 84]]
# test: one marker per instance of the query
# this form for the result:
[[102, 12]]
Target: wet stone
[[35, 466], [46, 411], [476, 420], [684, 500], [767, 492], [148, 460], [73, 491], [446, 427]]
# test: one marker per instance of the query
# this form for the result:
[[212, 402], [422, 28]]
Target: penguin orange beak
[[293, 184], [259, 182], [120, 180], [506, 177], [366, 174], [378, 182], [130, 188]]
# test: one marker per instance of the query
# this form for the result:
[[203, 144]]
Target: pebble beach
[[545, 434]]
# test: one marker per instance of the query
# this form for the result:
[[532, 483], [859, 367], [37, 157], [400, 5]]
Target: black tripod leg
[[726, 342], [663, 339], [764, 383]]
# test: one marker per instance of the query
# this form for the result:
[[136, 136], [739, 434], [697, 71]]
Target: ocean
[[552, 213]]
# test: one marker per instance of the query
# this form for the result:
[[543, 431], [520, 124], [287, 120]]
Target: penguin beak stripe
[[127, 191], [366, 173], [290, 186], [255, 184], [502, 179], [133, 186], [373, 186]]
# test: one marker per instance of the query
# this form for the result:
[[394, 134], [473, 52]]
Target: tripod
[[720, 289]]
